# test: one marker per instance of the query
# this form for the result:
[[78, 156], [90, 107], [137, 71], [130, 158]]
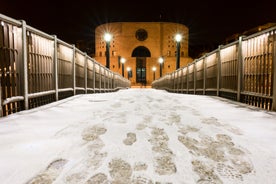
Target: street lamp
[[107, 38], [161, 60], [154, 69], [129, 73], [178, 38], [123, 60]]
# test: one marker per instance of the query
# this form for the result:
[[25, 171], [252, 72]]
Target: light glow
[[107, 37], [123, 60], [178, 37], [154, 68], [160, 60]]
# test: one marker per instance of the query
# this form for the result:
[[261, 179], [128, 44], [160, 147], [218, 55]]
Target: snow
[[139, 136]]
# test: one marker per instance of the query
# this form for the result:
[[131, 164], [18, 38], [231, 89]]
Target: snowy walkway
[[139, 136]]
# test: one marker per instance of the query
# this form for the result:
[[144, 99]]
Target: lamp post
[[123, 60], [178, 38], [107, 38], [153, 69], [129, 74], [161, 60]]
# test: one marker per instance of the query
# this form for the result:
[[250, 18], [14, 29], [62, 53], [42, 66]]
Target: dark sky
[[209, 22]]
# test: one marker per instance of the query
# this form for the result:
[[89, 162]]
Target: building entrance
[[141, 70], [141, 53]]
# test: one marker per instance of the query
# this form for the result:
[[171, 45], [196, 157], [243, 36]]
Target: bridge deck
[[139, 136]]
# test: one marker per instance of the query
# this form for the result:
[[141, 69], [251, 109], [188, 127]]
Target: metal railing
[[244, 70], [37, 68]]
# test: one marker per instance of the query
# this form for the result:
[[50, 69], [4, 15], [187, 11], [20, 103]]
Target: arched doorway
[[141, 53]]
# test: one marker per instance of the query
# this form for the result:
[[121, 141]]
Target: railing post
[[187, 79], [25, 64], [100, 82], [274, 73], [195, 78], [218, 70], [85, 73], [74, 70], [204, 75], [104, 79], [174, 81], [182, 73], [55, 67], [94, 76], [113, 81], [1, 109], [109, 78], [240, 68]]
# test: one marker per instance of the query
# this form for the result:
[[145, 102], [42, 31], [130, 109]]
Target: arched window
[[141, 51]]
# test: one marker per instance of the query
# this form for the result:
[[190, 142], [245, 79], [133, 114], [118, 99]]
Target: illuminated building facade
[[140, 45]]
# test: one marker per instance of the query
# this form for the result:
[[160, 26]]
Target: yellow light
[[128, 69], [123, 60], [178, 37], [160, 60], [107, 37], [154, 68]]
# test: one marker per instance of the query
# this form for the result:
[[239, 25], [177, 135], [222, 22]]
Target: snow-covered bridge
[[139, 136]]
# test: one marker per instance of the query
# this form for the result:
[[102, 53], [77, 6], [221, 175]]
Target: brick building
[[141, 44]]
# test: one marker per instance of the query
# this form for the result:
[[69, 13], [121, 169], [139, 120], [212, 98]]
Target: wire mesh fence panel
[[11, 87], [65, 67], [191, 78], [229, 68], [258, 70], [80, 72], [90, 74], [199, 67], [211, 72]]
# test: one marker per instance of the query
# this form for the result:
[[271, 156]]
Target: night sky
[[209, 22]]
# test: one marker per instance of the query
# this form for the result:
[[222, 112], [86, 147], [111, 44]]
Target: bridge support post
[[195, 78], [204, 76], [218, 70], [85, 72], [1, 109], [187, 79], [94, 76], [25, 65], [240, 69], [74, 70], [55, 67], [100, 82]]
